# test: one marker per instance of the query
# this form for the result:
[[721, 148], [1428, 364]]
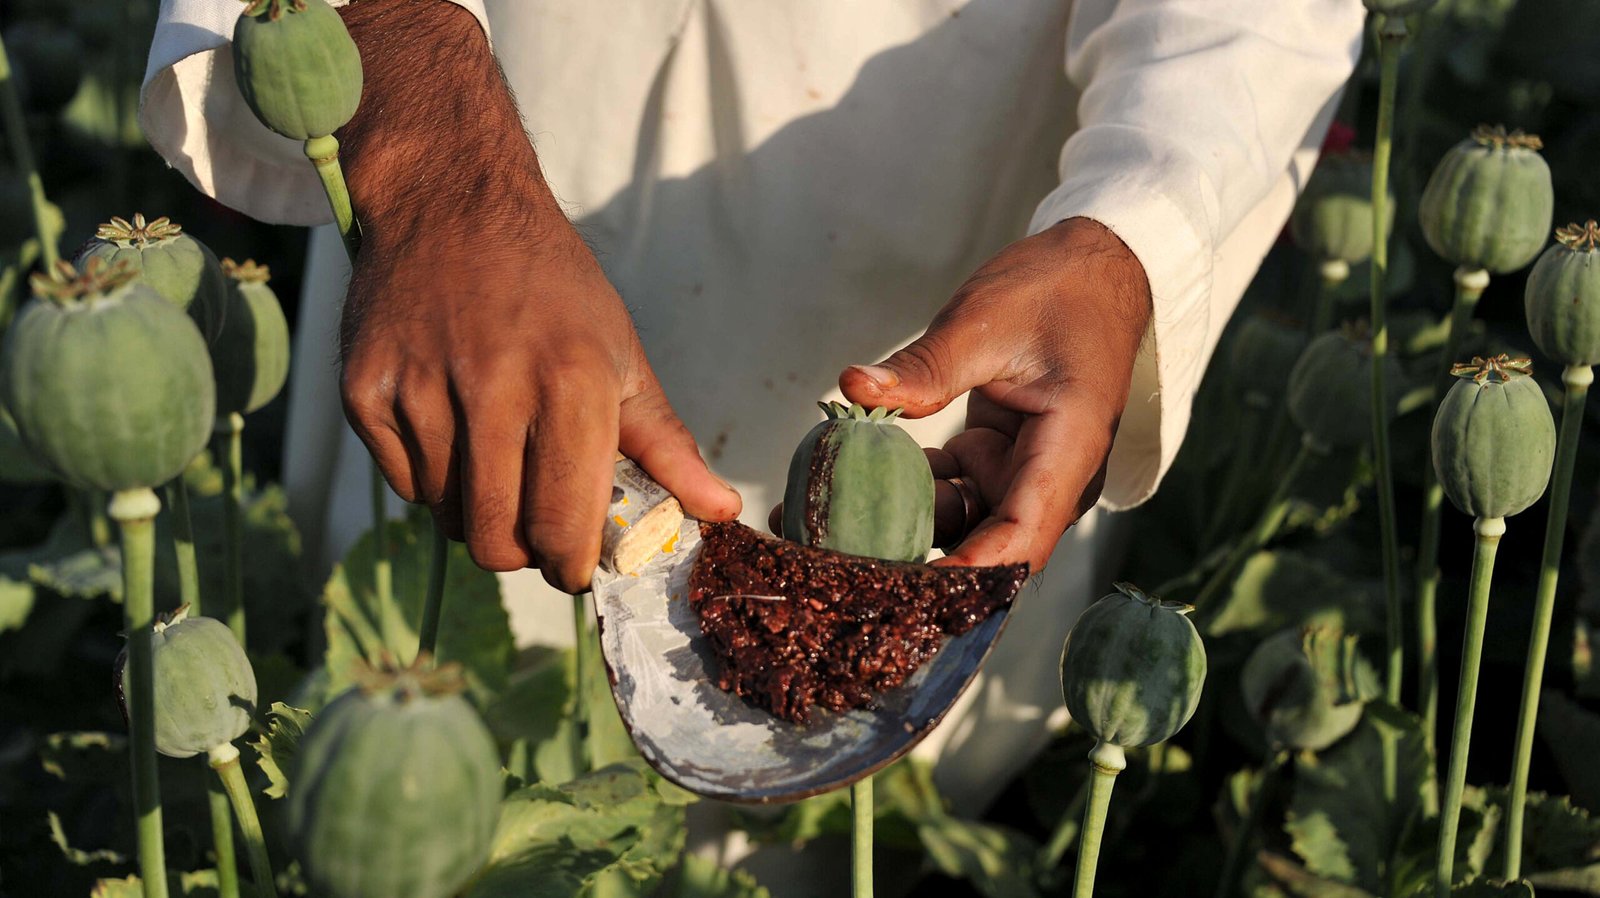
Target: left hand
[[1044, 335]]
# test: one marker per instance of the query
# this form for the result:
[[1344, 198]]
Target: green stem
[[324, 155], [222, 839], [1577, 379], [861, 831], [1265, 528], [1066, 831], [16, 125], [1391, 35], [135, 512], [1233, 867], [229, 432], [580, 664], [225, 761], [382, 568], [1105, 762], [433, 602], [1489, 531], [1470, 284], [1330, 274], [183, 546]]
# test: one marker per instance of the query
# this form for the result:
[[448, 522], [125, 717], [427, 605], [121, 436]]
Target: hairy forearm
[[437, 132]]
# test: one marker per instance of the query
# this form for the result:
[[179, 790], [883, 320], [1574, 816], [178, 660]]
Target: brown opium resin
[[794, 626]]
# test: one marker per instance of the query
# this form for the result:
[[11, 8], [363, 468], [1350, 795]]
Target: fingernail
[[882, 377], [725, 484]]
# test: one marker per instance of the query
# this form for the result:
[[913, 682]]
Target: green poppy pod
[[1489, 202], [1494, 438], [1333, 218], [1330, 389], [858, 483], [297, 67], [1132, 668], [1562, 298], [173, 263], [205, 688], [108, 383], [251, 353], [1264, 352], [1307, 687], [397, 788]]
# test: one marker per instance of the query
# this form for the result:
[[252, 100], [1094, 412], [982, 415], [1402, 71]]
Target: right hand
[[489, 365]]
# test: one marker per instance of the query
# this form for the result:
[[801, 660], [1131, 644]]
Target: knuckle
[[575, 379], [367, 397]]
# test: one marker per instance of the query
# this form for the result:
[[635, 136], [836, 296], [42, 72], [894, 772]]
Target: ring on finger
[[972, 507]]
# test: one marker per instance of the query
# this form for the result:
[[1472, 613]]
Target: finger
[[1059, 461], [651, 434], [427, 426], [567, 483], [369, 406], [949, 514], [492, 457], [984, 458], [955, 355], [942, 463], [775, 520]]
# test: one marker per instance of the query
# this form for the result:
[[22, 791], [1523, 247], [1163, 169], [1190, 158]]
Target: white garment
[[782, 188]]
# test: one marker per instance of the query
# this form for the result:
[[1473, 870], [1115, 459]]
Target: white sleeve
[[1189, 114], [194, 116]]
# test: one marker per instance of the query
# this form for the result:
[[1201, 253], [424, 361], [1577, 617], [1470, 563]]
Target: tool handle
[[642, 520]]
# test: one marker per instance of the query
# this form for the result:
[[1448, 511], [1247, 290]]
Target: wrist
[[1098, 256], [437, 140]]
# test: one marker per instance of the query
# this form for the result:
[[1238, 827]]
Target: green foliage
[[1342, 829], [474, 629], [276, 595], [1277, 589], [997, 861], [561, 841], [697, 877], [276, 748], [533, 714]]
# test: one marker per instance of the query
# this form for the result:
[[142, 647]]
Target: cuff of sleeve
[[1177, 259], [194, 116]]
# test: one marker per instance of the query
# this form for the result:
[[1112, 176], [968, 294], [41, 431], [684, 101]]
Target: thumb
[[924, 377]]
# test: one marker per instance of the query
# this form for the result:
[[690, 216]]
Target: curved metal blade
[[664, 679]]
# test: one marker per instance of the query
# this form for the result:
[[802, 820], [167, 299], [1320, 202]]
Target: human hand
[[488, 364], [1044, 335]]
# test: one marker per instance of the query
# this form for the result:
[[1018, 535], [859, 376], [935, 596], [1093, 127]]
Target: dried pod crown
[[1580, 238], [1496, 137], [68, 285], [248, 271], [1493, 370], [138, 232]]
